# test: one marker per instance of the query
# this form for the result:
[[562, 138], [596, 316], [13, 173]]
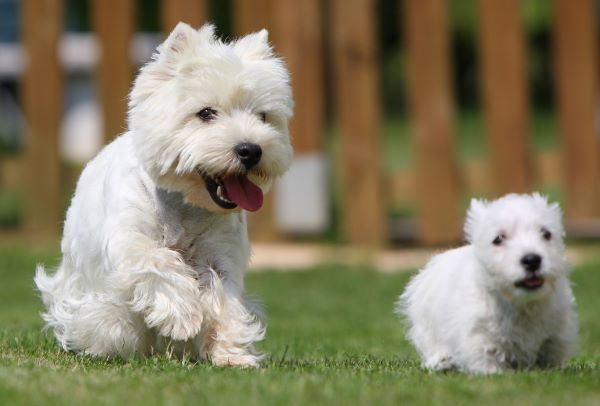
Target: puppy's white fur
[[150, 261], [465, 310]]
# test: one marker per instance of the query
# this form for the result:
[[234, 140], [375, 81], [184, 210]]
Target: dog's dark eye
[[207, 114], [546, 234], [499, 239], [263, 116]]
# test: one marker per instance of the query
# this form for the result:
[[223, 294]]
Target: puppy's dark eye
[[207, 114], [499, 239], [263, 116], [546, 234]]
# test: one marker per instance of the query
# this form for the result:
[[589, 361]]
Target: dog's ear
[[476, 211], [557, 215], [180, 43], [539, 199], [206, 34], [553, 209], [255, 45]]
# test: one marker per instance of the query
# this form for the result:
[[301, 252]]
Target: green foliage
[[463, 18], [537, 15], [10, 208], [332, 339]]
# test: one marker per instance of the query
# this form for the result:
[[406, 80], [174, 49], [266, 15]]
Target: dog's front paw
[[179, 322], [491, 361], [243, 361]]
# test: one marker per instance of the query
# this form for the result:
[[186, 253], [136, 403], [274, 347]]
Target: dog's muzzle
[[531, 263]]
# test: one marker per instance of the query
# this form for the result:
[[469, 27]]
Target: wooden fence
[[297, 31]]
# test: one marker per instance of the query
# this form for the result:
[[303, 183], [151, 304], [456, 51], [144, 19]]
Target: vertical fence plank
[[576, 81], [42, 22], [302, 197], [113, 21], [355, 68], [504, 78], [299, 41], [251, 15], [432, 111], [192, 12]]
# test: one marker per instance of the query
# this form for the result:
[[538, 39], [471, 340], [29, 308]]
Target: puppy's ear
[[476, 211], [180, 43], [556, 213], [254, 46], [206, 33], [539, 199], [553, 209]]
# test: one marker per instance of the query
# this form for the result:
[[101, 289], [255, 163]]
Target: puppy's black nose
[[531, 262], [248, 153]]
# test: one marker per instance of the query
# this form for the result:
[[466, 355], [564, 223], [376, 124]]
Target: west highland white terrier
[[501, 302], [155, 241]]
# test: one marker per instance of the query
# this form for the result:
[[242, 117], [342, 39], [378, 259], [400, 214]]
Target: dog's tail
[[401, 306], [45, 284], [57, 311], [60, 296]]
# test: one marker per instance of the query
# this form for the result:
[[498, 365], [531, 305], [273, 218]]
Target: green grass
[[332, 339]]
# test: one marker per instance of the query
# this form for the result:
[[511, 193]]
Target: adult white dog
[[155, 240], [501, 302]]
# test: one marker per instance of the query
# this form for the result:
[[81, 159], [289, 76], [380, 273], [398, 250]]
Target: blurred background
[[405, 109]]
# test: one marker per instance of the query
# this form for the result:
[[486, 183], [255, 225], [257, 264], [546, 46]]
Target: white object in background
[[12, 60], [79, 52], [302, 196], [81, 133]]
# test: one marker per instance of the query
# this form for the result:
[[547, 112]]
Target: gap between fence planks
[[432, 116], [42, 23]]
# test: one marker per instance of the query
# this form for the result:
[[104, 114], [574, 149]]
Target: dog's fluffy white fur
[[501, 302], [151, 260]]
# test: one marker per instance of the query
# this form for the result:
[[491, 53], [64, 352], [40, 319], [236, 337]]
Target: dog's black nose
[[531, 262], [248, 153]]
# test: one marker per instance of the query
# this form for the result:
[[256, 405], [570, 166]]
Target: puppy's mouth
[[231, 191], [531, 282]]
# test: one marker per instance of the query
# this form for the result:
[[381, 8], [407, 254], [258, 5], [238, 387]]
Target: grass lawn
[[332, 339]]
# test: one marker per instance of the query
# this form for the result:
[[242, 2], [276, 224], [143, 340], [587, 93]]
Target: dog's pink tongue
[[243, 192]]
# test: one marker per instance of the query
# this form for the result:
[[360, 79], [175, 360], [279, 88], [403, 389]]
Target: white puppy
[[502, 302], [155, 241]]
